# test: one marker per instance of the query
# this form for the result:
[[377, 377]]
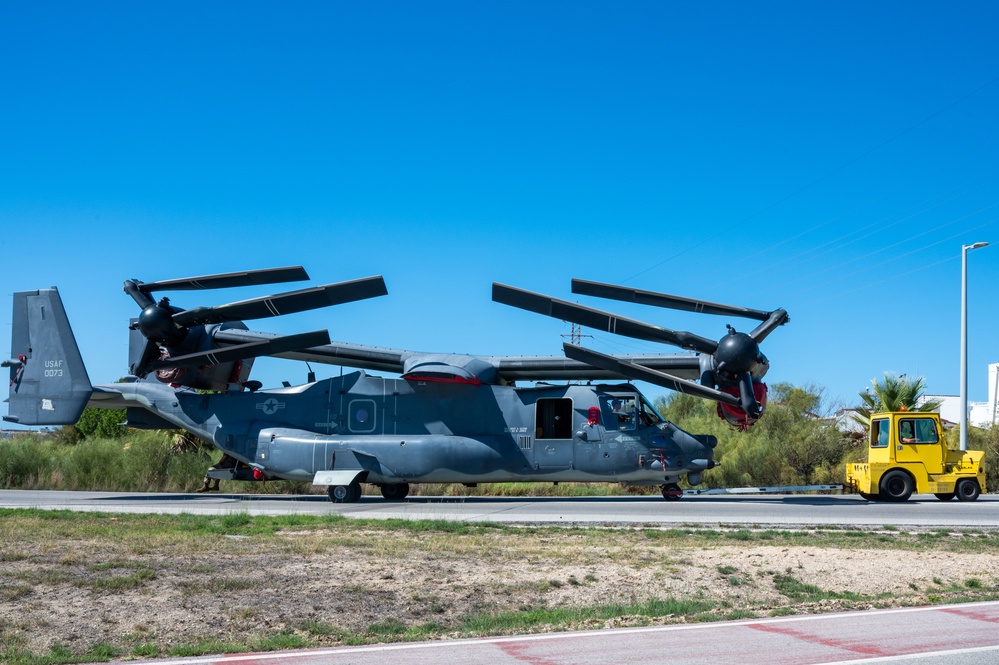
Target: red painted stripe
[[867, 650], [977, 616]]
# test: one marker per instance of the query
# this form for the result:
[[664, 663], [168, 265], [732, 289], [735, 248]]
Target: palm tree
[[892, 394]]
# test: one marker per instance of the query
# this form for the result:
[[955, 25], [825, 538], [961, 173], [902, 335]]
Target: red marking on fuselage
[[474, 381]]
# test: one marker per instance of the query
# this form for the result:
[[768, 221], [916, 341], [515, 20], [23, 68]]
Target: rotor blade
[[747, 398], [284, 303], [777, 318], [150, 352], [598, 320], [243, 351], [626, 294], [637, 372], [228, 280], [134, 289]]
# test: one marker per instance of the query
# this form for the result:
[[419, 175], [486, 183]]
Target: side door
[[553, 445], [917, 441]]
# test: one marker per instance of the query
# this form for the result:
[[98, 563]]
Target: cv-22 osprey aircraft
[[446, 418]]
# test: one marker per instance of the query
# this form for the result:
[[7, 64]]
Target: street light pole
[[964, 340]]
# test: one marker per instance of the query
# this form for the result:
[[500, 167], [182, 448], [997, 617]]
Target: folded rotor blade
[[613, 292], [133, 289], [284, 303], [228, 280], [150, 352], [243, 351], [747, 398], [777, 318], [598, 320], [639, 373]]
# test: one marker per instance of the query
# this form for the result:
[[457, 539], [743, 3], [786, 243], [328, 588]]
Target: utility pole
[[964, 340]]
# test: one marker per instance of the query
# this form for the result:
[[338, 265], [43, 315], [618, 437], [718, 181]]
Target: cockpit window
[[649, 414], [620, 411]]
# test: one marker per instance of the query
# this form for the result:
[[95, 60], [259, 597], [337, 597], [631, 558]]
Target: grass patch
[[531, 619], [795, 589], [119, 582], [390, 626], [11, 592]]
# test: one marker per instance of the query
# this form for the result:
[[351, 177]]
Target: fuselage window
[[362, 415], [554, 419]]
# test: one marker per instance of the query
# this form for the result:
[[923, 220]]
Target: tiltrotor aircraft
[[446, 419]]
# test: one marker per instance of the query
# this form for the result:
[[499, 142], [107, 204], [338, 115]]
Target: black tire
[[944, 496], [396, 492], [967, 489], [344, 493], [896, 486], [672, 492]]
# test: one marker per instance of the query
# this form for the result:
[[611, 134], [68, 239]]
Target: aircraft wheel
[[672, 492], [944, 496], [896, 486], [967, 490], [344, 493], [396, 492]]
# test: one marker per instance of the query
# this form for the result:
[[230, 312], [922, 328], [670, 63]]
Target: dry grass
[[87, 584]]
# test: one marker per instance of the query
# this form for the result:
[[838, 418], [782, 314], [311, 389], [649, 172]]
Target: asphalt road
[[764, 510], [965, 634]]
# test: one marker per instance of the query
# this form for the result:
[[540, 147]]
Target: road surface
[[966, 634], [923, 511]]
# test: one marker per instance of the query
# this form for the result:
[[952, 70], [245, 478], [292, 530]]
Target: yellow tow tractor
[[908, 453]]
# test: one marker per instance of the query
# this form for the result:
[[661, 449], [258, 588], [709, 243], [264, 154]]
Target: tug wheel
[[344, 493], [967, 490], [672, 492], [896, 486]]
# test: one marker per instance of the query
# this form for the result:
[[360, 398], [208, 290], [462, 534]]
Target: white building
[[980, 414]]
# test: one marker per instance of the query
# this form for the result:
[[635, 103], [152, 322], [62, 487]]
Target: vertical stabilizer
[[48, 381]]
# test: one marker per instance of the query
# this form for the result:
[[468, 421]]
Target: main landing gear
[[352, 493], [672, 492], [344, 493]]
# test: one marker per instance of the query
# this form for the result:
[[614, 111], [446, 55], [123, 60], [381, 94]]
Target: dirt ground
[[132, 591]]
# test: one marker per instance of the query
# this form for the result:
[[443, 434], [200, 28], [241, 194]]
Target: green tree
[[790, 445], [891, 394], [101, 423]]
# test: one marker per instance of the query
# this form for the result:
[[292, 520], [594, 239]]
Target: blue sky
[[828, 158]]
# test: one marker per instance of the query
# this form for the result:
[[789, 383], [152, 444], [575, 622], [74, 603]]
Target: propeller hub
[[737, 353], [156, 324]]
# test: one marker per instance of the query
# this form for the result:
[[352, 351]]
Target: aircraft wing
[[505, 368], [338, 353], [560, 368]]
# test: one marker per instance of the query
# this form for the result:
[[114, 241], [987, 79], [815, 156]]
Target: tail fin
[[48, 381]]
